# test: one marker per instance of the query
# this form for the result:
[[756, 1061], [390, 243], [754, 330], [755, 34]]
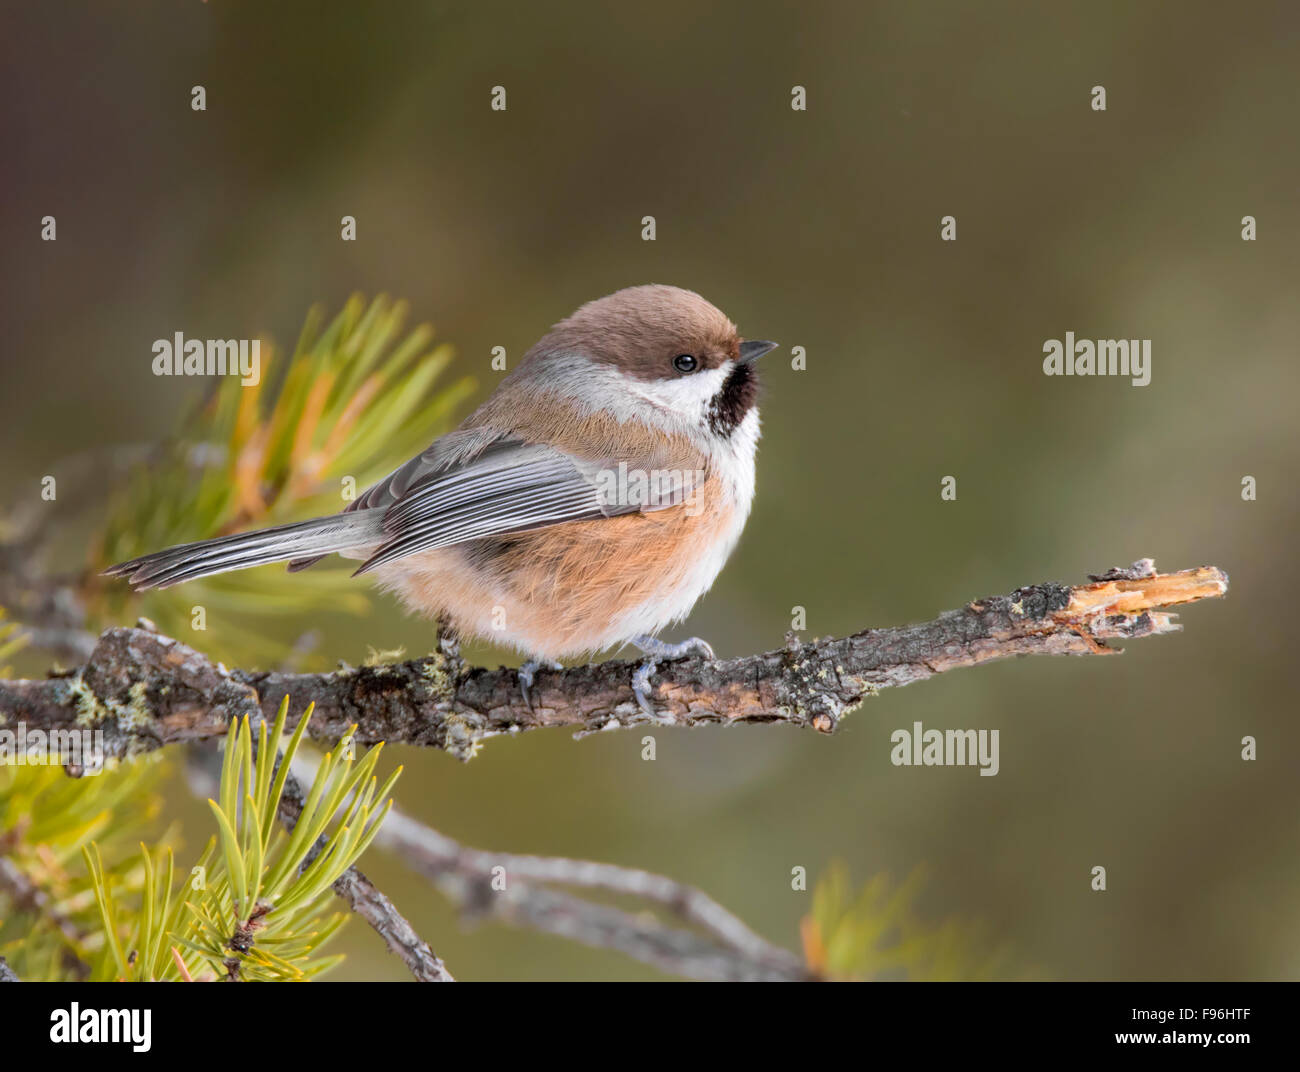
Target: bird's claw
[[527, 673], [655, 650], [641, 687]]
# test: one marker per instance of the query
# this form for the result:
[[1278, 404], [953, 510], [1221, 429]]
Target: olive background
[[818, 229]]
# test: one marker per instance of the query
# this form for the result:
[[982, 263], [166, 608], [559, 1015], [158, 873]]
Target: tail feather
[[186, 562]]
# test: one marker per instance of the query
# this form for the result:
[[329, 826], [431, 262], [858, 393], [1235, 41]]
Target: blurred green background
[[818, 229]]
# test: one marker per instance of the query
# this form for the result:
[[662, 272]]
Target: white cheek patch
[[688, 396], [677, 405]]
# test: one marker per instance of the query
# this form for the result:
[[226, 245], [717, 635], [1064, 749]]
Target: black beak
[[754, 349]]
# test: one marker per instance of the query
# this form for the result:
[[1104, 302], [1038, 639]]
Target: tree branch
[[513, 889], [144, 690], [371, 904]]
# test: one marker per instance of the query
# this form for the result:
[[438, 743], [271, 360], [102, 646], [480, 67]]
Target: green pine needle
[[259, 911], [355, 401]]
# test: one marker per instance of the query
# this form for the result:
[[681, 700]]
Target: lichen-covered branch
[[144, 690]]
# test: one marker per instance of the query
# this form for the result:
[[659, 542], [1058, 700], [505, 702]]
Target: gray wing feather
[[451, 451], [448, 452], [508, 487]]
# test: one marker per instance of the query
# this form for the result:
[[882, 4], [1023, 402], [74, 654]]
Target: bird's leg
[[655, 650], [448, 639], [528, 671]]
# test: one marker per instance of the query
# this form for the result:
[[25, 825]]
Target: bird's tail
[[188, 561]]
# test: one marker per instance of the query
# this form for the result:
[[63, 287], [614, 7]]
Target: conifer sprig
[[356, 399], [253, 907]]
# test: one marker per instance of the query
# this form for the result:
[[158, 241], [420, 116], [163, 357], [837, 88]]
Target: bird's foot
[[526, 674], [655, 650]]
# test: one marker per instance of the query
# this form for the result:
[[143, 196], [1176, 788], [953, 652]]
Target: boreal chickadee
[[588, 503]]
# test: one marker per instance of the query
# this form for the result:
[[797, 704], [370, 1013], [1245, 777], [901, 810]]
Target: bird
[[587, 504]]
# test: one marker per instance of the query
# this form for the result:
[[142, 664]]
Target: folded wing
[[508, 486]]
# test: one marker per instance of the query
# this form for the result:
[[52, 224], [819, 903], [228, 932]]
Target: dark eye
[[685, 363]]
